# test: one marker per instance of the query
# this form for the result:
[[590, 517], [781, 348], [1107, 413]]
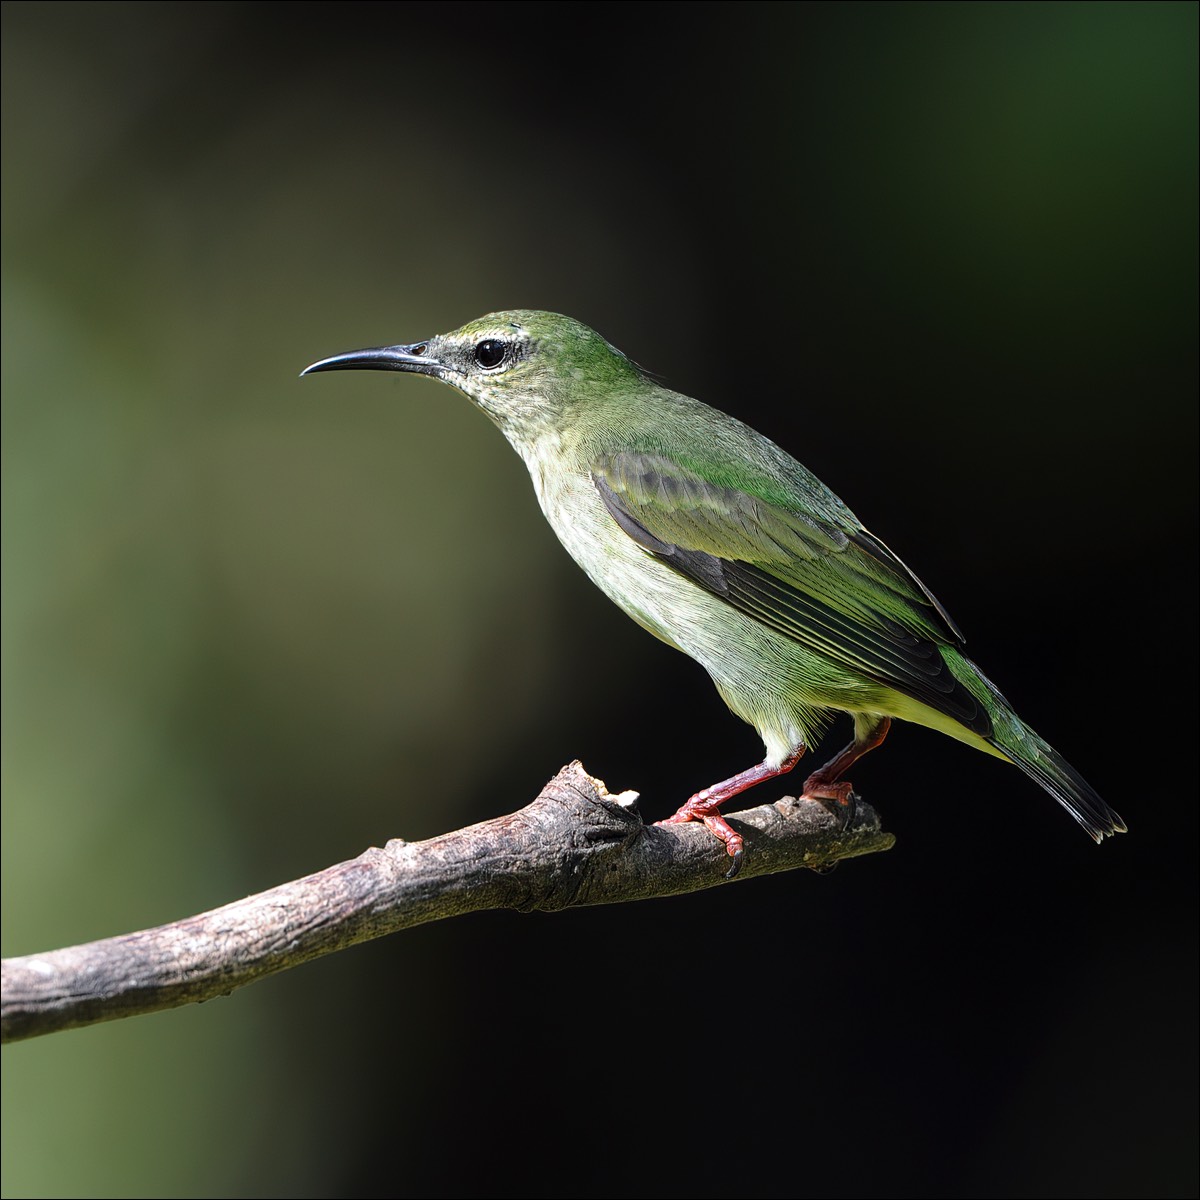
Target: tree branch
[[575, 844]]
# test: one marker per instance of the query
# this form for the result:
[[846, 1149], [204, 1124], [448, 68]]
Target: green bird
[[721, 544]]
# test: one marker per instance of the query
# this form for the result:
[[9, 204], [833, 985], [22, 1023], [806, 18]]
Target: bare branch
[[575, 844]]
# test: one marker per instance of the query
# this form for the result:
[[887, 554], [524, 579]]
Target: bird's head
[[527, 370]]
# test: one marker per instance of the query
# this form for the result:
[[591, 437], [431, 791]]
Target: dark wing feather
[[830, 586]]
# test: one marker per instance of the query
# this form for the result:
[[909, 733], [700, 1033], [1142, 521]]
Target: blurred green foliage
[[253, 624]]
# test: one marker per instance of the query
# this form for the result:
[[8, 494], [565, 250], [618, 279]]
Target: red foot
[[704, 804], [839, 793], [838, 798], [826, 785], [699, 809]]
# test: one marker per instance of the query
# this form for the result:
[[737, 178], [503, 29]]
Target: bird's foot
[[702, 807], [826, 785], [838, 798], [705, 804]]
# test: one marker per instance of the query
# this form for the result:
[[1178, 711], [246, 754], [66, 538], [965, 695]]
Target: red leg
[[826, 783], [704, 804]]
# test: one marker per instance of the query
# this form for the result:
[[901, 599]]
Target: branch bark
[[575, 844]]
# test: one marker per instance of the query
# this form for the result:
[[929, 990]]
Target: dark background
[[945, 254]]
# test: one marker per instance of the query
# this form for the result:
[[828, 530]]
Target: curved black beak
[[380, 358]]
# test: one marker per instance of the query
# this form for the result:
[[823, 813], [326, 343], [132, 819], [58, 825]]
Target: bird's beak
[[381, 358]]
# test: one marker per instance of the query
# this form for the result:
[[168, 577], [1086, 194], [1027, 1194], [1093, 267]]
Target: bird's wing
[[820, 579]]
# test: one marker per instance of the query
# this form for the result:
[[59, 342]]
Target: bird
[[720, 543]]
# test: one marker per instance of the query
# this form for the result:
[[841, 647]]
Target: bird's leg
[[704, 804], [826, 785]]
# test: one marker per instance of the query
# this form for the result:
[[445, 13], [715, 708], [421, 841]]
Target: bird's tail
[[1039, 760]]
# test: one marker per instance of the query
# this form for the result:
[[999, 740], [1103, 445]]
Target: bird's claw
[[839, 799], [735, 866], [705, 810]]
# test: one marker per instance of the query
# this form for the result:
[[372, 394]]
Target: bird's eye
[[490, 353]]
